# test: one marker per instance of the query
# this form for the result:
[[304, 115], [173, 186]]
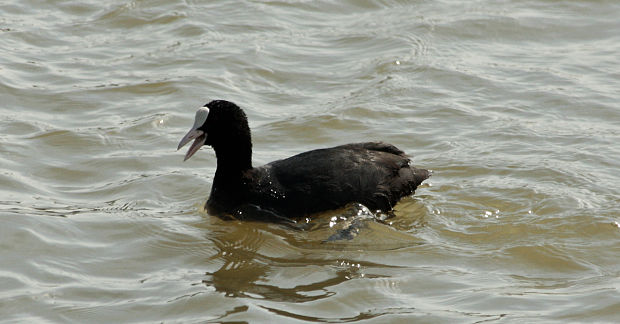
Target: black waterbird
[[374, 174]]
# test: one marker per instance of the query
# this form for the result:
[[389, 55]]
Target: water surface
[[513, 104]]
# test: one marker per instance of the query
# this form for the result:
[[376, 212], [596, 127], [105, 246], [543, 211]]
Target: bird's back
[[374, 174]]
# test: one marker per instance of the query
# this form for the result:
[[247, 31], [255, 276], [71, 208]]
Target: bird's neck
[[227, 191], [233, 160]]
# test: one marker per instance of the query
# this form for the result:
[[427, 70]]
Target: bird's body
[[374, 174]]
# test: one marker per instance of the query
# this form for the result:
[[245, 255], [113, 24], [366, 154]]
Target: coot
[[374, 174]]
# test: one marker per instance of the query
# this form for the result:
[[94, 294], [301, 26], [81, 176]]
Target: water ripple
[[512, 104]]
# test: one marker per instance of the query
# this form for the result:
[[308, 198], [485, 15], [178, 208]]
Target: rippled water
[[513, 104]]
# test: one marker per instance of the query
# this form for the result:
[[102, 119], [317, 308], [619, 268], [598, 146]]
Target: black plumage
[[374, 174]]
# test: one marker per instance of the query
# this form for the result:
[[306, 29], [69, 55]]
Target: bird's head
[[220, 124]]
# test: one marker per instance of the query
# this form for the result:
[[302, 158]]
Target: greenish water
[[513, 104]]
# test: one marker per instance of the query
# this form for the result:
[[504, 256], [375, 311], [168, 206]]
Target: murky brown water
[[513, 104]]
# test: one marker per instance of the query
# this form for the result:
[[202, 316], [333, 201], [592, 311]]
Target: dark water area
[[512, 104]]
